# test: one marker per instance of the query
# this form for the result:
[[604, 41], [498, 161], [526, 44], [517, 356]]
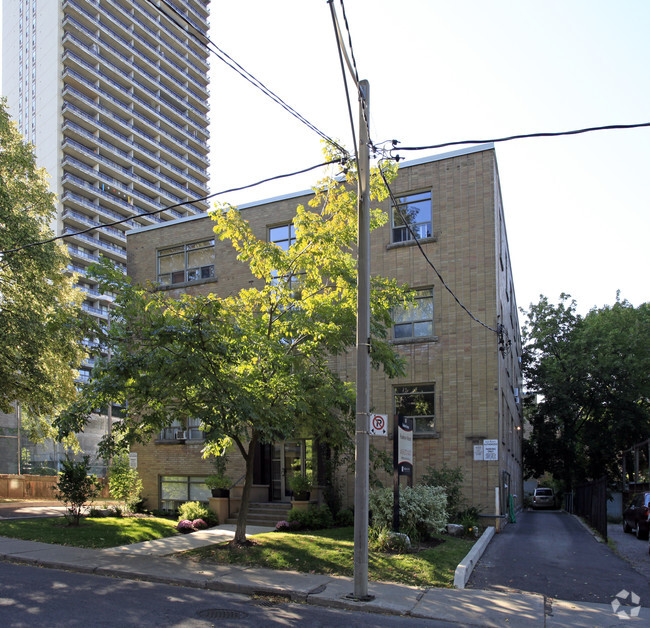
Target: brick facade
[[475, 383]]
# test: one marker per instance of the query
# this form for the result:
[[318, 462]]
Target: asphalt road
[[48, 598], [552, 553]]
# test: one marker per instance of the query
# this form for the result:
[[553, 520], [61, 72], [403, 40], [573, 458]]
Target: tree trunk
[[240, 532]]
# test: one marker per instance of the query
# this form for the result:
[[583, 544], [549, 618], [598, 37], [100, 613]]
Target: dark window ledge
[[419, 436], [413, 341], [185, 284], [399, 245]]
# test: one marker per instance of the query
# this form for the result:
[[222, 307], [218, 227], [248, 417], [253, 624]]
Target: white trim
[[285, 197]]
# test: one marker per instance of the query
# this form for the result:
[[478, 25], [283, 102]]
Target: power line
[[181, 204], [207, 43], [608, 127]]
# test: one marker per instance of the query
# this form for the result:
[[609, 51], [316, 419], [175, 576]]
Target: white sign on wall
[[491, 449], [133, 460], [478, 452]]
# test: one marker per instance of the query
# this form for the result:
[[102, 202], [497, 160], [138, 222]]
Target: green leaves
[[40, 316], [591, 375]]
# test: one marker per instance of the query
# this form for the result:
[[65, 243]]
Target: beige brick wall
[[474, 381]]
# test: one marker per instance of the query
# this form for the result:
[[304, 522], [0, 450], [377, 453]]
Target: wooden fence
[[34, 487]]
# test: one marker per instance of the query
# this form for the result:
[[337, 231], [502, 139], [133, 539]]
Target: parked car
[[543, 498], [635, 516]]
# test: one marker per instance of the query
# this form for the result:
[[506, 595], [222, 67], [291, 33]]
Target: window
[[417, 402], [177, 489], [186, 262], [413, 210], [415, 320], [284, 236], [177, 431]]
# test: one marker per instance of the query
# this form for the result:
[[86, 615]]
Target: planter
[[220, 492]]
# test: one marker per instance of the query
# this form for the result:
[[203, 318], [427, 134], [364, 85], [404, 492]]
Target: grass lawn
[[97, 532], [332, 552]]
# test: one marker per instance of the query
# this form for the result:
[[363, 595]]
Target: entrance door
[[289, 458]]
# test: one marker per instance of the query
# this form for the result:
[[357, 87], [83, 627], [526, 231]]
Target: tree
[[253, 366], [124, 483], [589, 376], [40, 318], [76, 487]]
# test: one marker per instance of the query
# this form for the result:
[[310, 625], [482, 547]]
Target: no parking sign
[[378, 424]]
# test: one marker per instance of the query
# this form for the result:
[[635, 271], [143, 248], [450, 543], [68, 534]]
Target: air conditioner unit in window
[[180, 435]]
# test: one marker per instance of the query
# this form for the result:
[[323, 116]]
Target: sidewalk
[[153, 561]]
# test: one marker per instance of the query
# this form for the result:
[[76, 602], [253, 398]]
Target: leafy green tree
[[253, 366], [589, 376], [40, 318], [124, 482], [76, 488]]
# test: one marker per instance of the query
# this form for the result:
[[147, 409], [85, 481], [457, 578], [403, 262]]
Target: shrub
[[469, 519], [76, 487], [124, 483], [185, 526], [344, 518], [422, 509], [199, 524], [384, 540], [451, 480], [287, 526], [196, 510], [312, 518]]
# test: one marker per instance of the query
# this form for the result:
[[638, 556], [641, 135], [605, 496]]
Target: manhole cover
[[221, 613]]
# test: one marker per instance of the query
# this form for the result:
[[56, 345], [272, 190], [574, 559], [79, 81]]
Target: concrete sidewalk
[[154, 561]]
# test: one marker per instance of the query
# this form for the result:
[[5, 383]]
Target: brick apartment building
[[466, 387]]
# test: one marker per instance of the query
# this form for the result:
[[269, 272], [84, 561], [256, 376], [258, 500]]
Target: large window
[[284, 236], [177, 489], [186, 262], [415, 320], [413, 210], [417, 402]]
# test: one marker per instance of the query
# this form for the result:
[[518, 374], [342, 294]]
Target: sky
[[576, 208]]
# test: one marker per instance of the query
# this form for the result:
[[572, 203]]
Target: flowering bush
[[287, 526], [199, 524], [185, 526], [422, 509]]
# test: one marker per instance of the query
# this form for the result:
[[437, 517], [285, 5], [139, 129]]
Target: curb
[[466, 566]]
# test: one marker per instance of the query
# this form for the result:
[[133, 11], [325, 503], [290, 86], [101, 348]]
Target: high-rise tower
[[114, 96]]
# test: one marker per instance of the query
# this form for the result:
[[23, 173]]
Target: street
[[33, 596], [551, 553]]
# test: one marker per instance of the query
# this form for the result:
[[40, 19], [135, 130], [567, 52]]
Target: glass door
[[288, 459]]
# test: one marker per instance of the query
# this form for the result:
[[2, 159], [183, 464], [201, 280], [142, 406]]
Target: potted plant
[[301, 486], [219, 484]]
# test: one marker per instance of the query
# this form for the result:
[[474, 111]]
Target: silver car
[[543, 498]]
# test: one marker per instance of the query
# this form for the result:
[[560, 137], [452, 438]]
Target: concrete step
[[264, 514]]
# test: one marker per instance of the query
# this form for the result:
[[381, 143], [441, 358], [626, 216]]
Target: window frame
[[205, 272], [421, 294], [405, 390], [198, 481], [401, 229]]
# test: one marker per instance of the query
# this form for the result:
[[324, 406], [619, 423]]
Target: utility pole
[[362, 455]]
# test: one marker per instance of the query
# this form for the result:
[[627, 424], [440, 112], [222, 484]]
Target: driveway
[[29, 509], [552, 553]]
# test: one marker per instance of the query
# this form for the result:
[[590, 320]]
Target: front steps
[[264, 514]]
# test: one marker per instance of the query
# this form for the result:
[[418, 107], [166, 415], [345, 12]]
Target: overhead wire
[[523, 136], [223, 56], [342, 53], [175, 205]]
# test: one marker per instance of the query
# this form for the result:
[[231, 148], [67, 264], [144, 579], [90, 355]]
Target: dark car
[[635, 516], [543, 498]]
